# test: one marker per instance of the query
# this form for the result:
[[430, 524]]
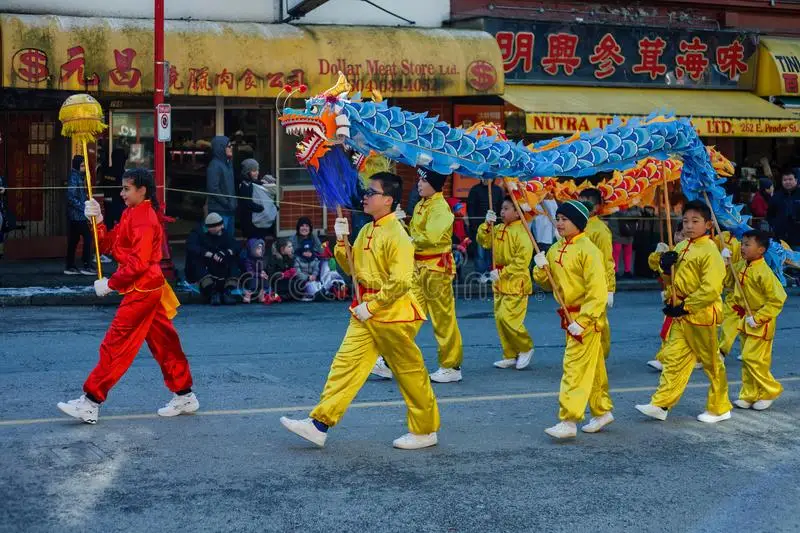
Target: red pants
[[627, 252], [140, 317]]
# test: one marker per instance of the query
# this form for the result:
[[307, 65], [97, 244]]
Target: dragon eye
[[315, 109]]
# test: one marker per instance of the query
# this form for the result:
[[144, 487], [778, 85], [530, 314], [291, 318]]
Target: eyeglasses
[[369, 193]]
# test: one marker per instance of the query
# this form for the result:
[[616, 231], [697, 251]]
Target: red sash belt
[[565, 322], [445, 259], [741, 311], [360, 292], [668, 320]]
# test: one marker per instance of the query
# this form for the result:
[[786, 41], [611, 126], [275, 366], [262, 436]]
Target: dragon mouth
[[313, 137]]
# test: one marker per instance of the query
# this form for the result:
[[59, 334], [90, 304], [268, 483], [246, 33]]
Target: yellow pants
[[356, 357], [729, 329], [685, 345], [758, 383], [434, 292], [509, 315], [605, 337], [584, 379]]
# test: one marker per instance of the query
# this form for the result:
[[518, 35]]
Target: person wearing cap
[[511, 279], [600, 234], [576, 265], [211, 256], [386, 321], [431, 230]]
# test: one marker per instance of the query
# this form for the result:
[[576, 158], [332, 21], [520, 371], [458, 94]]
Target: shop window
[[251, 133]]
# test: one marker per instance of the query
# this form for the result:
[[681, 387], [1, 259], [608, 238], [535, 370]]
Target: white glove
[[342, 228], [726, 254], [101, 287], [361, 312], [662, 247], [575, 329], [610, 301], [491, 217], [91, 208], [399, 213], [751, 321], [540, 260], [494, 275]]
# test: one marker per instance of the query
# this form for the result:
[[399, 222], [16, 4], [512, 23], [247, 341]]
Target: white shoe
[[739, 357], [505, 363], [598, 422], [760, 405], [83, 409], [414, 441], [380, 369], [306, 429], [655, 364], [484, 279], [742, 404], [653, 411], [562, 430], [105, 259], [524, 359], [446, 375], [708, 418], [698, 366], [180, 405]]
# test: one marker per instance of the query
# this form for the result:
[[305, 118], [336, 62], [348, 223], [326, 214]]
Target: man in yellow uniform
[[765, 296], [600, 235], [386, 322], [512, 249], [695, 312], [576, 267], [730, 248]]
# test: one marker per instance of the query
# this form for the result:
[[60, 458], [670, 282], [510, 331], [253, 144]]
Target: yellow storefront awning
[[244, 59], [564, 110], [778, 67]]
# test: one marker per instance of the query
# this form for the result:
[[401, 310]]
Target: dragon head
[[321, 124], [720, 163]]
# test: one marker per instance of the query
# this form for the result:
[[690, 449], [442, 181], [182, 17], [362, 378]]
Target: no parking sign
[[164, 115]]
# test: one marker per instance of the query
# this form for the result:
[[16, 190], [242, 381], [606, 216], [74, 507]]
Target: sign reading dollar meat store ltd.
[[257, 60]]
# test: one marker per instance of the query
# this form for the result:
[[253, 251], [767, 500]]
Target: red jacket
[[136, 245], [759, 205]]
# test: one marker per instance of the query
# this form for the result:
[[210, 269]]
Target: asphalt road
[[233, 467]]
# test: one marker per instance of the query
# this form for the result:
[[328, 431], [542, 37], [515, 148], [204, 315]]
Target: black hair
[[392, 186], [281, 243], [507, 198], [761, 237], [700, 207], [306, 221], [593, 195], [788, 171], [77, 161], [143, 178]]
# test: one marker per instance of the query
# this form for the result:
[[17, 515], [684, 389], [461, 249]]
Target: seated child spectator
[[307, 265], [254, 271], [283, 281]]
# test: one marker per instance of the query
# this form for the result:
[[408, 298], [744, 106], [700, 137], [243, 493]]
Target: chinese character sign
[[544, 52]]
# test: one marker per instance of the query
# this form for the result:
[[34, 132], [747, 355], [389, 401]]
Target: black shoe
[[229, 299], [216, 299], [72, 271], [628, 275]]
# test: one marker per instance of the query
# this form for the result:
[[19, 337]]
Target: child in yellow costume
[[692, 318], [730, 248], [511, 282], [387, 321], [765, 296], [576, 266], [600, 235]]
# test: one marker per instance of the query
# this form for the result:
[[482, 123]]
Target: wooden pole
[[94, 219], [348, 250], [491, 226], [736, 279], [556, 288], [668, 210], [660, 222]]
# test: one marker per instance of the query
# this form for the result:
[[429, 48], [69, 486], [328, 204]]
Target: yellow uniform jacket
[[699, 276], [513, 250], [431, 228], [600, 235], [764, 294]]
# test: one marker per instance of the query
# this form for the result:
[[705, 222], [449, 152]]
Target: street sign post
[[164, 115]]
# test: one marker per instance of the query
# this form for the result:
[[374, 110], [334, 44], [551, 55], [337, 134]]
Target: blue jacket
[[219, 179], [76, 196]]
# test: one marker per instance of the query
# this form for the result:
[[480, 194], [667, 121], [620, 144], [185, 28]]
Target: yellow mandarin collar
[[574, 238], [756, 261], [706, 236], [384, 219]]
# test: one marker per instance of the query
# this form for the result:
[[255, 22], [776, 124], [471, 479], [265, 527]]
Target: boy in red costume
[[147, 308]]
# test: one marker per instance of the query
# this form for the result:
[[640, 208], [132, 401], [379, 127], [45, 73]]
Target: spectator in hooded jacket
[[305, 230], [254, 271], [247, 207], [78, 223], [308, 267], [219, 183]]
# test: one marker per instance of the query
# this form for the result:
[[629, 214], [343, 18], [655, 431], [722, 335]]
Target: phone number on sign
[[396, 85]]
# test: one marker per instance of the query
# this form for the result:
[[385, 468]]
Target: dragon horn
[[342, 86]]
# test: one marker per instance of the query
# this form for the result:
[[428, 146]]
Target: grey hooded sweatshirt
[[219, 179]]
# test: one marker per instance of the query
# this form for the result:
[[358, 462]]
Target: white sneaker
[[306, 429], [742, 404], [598, 422], [505, 363], [655, 364], [524, 359], [414, 441], [380, 369], [83, 409], [708, 418], [105, 259], [180, 405], [562, 430], [484, 279], [446, 375], [698, 366], [760, 405], [653, 411]]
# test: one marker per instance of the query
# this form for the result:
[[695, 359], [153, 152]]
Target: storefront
[[223, 79]]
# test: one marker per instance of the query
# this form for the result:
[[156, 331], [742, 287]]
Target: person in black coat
[[246, 204], [211, 259], [784, 209], [477, 205]]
